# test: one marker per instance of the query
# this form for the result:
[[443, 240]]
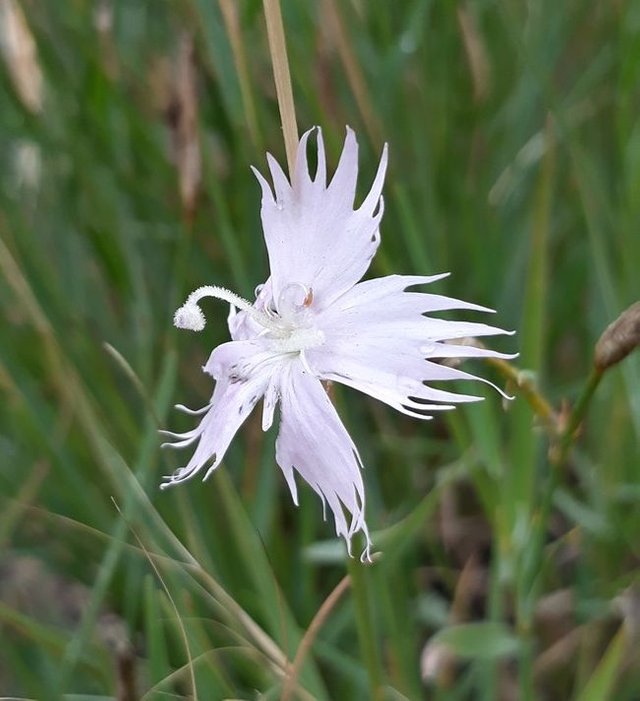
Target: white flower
[[313, 321]]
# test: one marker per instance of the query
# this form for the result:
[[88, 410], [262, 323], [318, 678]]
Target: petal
[[379, 342], [321, 169], [241, 326], [386, 289], [313, 235], [379, 311], [313, 441], [271, 396], [371, 201], [281, 184], [342, 189], [242, 370], [302, 182], [389, 376]]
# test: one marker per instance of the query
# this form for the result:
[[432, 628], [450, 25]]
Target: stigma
[[287, 325]]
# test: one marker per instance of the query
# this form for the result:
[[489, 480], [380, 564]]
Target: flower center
[[289, 327]]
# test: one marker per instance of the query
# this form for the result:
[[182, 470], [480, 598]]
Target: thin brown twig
[[310, 635]]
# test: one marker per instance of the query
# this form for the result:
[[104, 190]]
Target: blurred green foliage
[[514, 136]]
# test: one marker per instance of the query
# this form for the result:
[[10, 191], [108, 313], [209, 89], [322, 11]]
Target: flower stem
[[558, 453], [527, 388], [360, 577], [282, 78], [310, 635]]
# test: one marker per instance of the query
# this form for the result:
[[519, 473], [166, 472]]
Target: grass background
[[127, 129]]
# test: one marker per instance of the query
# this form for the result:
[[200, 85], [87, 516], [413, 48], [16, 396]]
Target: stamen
[[190, 316]]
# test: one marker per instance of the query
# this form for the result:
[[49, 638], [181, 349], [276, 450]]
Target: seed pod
[[619, 338]]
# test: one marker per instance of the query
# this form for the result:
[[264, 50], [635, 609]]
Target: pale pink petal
[[271, 396], [281, 185], [306, 190], [321, 169], [313, 442], [313, 320], [379, 342], [382, 290], [379, 311], [391, 377], [241, 370], [314, 236], [241, 326], [342, 188], [372, 325]]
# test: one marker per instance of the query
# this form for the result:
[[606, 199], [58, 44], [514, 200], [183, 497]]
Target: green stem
[[360, 577], [529, 391], [558, 453]]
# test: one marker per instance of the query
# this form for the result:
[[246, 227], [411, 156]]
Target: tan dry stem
[[477, 54], [282, 78], [20, 53], [184, 124]]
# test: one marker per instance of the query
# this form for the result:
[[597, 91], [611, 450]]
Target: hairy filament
[[190, 316]]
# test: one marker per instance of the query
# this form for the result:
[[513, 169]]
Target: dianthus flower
[[313, 321]]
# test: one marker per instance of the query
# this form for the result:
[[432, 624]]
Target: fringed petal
[[242, 375], [313, 442], [379, 341], [313, 234]]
